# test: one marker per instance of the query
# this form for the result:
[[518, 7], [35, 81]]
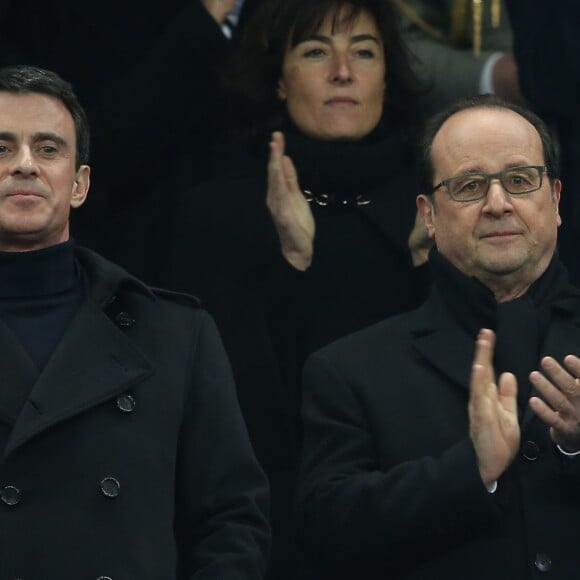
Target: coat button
[[543, 562], [110, 487], [104, 578], [530, 451], [10, 495], [124, 319], [126, 403]]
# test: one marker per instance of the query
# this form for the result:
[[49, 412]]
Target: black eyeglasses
[[474, 186]]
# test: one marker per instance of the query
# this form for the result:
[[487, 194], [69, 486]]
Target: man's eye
[[3, 149], [471, 186], [48, 150], [519, 179]]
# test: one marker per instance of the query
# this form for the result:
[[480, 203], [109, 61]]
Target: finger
[[279, 143], [560, 377], [552, 395], [483, 356], [276, 181], [482, 399], [276, 147], [508, 392], [572, 364], [290, 175], [478, 380], [547, 415]]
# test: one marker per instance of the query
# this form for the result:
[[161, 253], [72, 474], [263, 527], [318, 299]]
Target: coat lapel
[[444, 344], [94, 362], [18, 374]]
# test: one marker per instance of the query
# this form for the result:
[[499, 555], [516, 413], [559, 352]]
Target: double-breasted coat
[[390, 486], [127, 456]]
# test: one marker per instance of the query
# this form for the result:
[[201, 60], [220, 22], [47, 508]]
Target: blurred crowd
[[224, 164]]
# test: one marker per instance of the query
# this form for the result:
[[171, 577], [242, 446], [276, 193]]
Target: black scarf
[[520, 324]]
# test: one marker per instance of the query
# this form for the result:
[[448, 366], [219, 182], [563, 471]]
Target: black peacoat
[[127, 457], [390, 486]]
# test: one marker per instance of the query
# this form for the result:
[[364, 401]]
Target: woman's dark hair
[[30, 79], [252, 77], [425, 169]]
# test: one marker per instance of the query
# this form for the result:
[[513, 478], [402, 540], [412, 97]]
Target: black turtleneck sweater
[[40, 292]]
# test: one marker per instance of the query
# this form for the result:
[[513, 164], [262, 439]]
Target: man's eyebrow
[[42, 136], [48, 136]]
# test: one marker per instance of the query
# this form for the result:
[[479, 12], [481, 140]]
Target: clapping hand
[[219, 9], [560, 409], [289, 209], [493, 412], [419, 241]]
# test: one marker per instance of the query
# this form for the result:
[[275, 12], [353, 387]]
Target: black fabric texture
[[40, 292]]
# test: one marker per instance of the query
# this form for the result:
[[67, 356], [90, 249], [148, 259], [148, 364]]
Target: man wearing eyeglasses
[[445, 443]]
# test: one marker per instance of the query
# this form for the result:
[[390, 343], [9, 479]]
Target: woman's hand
[[289, 209], [219, 9], [419, 241]]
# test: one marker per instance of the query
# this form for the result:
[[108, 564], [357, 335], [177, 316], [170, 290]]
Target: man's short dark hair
[[425, 169], [30, 79]]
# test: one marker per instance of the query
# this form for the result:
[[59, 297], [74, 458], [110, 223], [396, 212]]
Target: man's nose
[[497, 198], [24, 162]]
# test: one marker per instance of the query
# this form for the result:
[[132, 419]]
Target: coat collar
[[446, 345], [95, 360], [449, 348]]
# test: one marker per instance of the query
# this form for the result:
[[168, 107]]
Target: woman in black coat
[[329, 252]]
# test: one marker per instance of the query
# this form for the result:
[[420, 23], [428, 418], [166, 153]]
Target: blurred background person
[[149, 76], [463, 48], [547, 47], [308, 234]]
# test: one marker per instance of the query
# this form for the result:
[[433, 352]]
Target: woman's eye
[[365, 53], [314, 52]]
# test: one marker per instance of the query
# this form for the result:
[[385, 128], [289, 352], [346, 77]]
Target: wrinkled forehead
[[486, 132]]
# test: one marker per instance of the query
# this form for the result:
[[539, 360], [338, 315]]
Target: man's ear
[[81, 186], [556, 190], [426, 206]]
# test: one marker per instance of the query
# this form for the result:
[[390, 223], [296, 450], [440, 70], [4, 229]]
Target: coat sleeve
[[353, 508], [222, 496]]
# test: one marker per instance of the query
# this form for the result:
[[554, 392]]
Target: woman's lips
[[341, 101]]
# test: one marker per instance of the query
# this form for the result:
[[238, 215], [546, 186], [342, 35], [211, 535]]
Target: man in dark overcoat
[[123, 452], [443, 443]]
